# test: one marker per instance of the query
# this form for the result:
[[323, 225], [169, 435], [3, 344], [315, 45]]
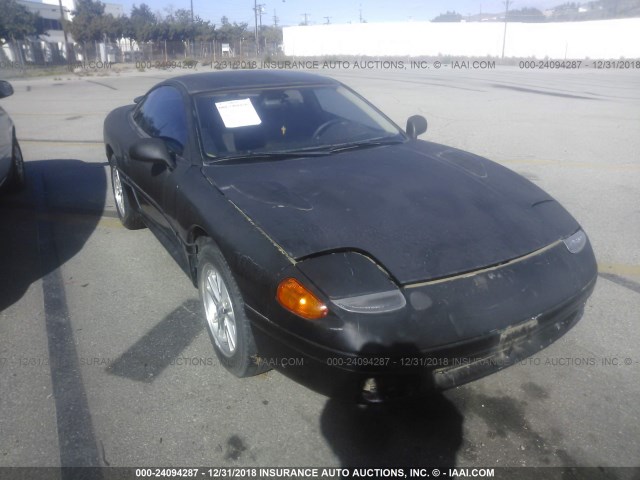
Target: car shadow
[[60, 192], [405, 424], [419, 433], [147, 358]]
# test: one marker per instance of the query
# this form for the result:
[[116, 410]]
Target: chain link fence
[[21, 56]]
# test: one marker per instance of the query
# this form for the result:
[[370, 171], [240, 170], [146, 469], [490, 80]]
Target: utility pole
[[261, 12], [64, 30], [360, 13], [255, 16], [191, 39], [275, 18], [306, 20], [506, 14], [328, 20]]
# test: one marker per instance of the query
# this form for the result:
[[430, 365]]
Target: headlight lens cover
[[353, 283], [576, 242], [379, 302]]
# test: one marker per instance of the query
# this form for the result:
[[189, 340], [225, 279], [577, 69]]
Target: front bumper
[[452, 332]]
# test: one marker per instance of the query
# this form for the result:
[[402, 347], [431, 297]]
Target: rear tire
[[16, 181], [225, 319], [123, 197]]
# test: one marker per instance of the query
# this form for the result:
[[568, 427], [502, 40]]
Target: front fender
[[255, 260]]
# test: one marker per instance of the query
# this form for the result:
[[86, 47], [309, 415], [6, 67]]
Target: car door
[[162, 114]]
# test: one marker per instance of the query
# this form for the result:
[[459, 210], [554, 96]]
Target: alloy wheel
[[219, 310]]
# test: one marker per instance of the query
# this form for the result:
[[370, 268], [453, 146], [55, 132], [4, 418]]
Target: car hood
[[421, 210]]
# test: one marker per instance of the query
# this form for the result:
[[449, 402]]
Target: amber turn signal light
[[293, 296]]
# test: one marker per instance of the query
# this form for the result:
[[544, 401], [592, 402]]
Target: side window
[[162, 115]]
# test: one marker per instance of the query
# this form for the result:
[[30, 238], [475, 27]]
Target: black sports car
[[11, 162], [325, 239]]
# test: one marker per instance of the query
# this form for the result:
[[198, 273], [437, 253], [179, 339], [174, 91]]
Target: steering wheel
[[325, 126]]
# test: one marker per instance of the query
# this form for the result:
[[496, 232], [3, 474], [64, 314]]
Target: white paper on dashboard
[[238, 113]]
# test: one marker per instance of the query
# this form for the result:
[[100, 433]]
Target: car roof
[[238, 79]]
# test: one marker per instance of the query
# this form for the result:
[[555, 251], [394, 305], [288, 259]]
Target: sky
[[290, 12]]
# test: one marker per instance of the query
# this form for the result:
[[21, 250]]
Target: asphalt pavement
[[104, 360]]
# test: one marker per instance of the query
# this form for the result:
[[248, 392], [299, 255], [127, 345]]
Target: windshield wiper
[[374, 142], [315, 151], [277, 154]]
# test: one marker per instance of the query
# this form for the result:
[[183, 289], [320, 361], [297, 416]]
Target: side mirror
[[137, 99], [152, 150], [6, 90], [416, 126]]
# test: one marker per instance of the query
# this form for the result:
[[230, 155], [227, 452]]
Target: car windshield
[[289, 120]]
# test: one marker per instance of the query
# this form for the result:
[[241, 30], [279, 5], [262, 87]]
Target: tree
[[143, 23], [529, 15], [112, 28], [88, 24], [179, 25], [16, 22], [272, 36], [448, 17], [231, 32], [142, 14], [566, 12], [204, 30], [123, 27]]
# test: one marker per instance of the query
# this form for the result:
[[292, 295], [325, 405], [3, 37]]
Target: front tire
[[225, 319], [123, 195]]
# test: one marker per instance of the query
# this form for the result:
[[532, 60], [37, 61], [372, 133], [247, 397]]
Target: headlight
[[379, 302], [576, 242], [353, 283]]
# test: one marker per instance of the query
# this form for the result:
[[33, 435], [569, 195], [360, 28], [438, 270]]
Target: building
[[49, 48], [115, 9], [49, 18]]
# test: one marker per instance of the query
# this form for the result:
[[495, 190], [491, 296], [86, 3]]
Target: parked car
[[11, 163], [329, 243]]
